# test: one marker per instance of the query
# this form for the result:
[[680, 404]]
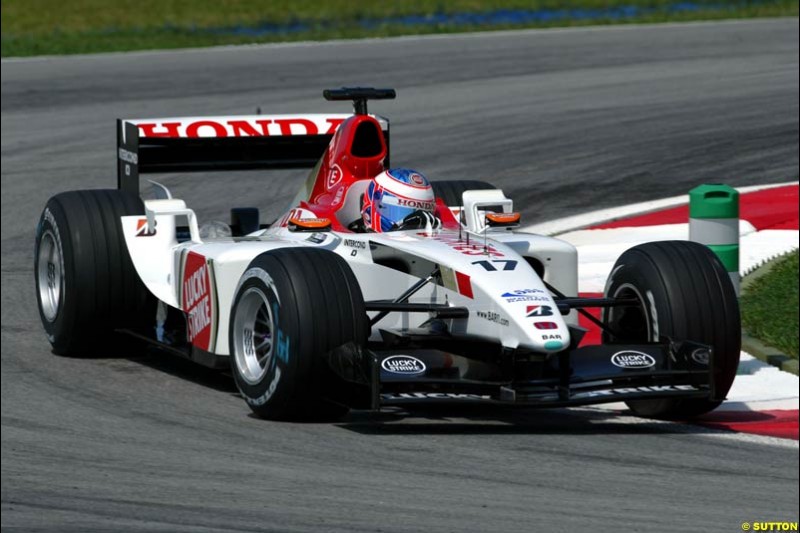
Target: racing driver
[[397, 199]]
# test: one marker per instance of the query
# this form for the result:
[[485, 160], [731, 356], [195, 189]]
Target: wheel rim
[[630, 322], [253, 336], [50, 275]]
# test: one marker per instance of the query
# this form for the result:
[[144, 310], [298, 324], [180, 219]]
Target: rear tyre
[[293, 306], [685, 294], [86, 284], [451, 191]]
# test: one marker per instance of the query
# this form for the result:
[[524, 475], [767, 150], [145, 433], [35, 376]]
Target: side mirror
[[502, 220], [309, 224]]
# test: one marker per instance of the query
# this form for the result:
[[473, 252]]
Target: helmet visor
[[393, 209]]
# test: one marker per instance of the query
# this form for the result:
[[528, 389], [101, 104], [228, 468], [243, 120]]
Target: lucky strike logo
[[633, 359], [197, 300], [403, 364], [417, 179], [701, 356]]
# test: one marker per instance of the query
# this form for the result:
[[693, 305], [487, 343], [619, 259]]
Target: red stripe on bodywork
[[444, 214], [464, 285], [593, 336]]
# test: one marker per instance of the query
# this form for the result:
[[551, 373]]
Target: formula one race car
[[316, 313]]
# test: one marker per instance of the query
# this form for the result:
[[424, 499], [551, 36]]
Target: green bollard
[[714, 221]]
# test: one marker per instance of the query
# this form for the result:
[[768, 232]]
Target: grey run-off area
[[565, 121]]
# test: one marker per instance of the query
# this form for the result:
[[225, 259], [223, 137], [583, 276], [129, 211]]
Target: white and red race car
[[313, 318]]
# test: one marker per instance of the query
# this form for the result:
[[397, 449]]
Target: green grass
[[35, 27], [770, 306]]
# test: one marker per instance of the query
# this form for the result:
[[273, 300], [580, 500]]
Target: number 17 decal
[[508, 264]]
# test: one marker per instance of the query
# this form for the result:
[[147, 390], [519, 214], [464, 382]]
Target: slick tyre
[[292, 307], [86, 284], [685, 294], [451, 191]]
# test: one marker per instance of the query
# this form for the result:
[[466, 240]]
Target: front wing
[[581, 376]]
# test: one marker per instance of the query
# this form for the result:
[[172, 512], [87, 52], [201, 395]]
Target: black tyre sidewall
[[259, 396], [59, 329]]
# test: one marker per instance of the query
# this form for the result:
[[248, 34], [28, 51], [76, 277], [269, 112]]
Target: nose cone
[[553, 345], [541, 326]]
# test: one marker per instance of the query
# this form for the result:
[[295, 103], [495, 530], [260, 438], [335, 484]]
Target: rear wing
[[249, 142]]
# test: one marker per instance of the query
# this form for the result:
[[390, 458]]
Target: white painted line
[[758, 248], [762, 387]]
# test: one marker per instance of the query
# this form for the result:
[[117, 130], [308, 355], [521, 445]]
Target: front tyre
[[293, 306], [685, 294]]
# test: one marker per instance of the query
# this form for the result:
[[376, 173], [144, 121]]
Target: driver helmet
[[395, 194]]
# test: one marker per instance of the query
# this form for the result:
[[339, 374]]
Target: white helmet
[[394, 196]]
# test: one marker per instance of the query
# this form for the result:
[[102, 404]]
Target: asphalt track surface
[[564, 121]]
